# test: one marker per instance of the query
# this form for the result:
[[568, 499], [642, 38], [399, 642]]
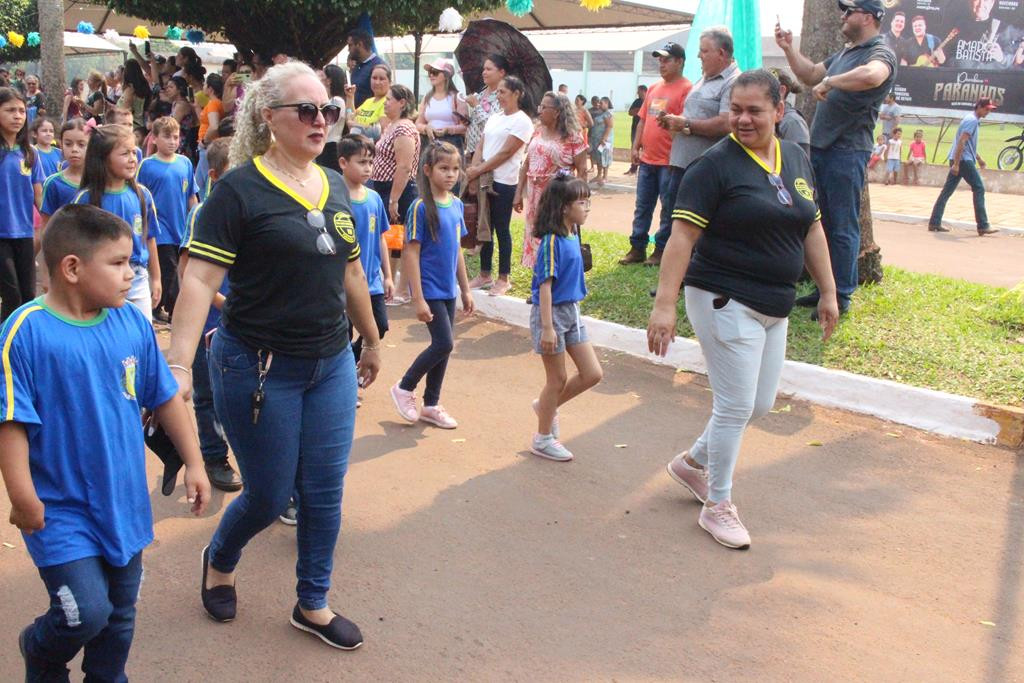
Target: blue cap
[[873, 7]]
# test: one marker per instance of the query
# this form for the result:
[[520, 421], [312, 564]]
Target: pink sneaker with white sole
[[723, 523], [694, 479], [405, 403], [438, 416]]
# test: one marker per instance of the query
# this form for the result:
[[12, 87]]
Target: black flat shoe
[[340, 633], [223, 476], [220, 602]]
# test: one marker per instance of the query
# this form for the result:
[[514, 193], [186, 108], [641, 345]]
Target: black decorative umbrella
[[490, 36]]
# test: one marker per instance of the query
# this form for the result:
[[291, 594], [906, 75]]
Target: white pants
[[744, 351], [139, 294]]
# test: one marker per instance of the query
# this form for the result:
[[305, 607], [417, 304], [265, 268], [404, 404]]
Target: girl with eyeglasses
[[284, 381], [746, 225]]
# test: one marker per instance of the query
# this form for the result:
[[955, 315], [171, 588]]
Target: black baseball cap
[[670, 50], [873, 7]]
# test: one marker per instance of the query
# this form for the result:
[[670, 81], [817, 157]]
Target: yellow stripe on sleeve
[[8, 376], [690, 216], [205, 250]]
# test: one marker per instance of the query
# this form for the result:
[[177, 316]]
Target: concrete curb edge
[[933, 411], [923, 220]]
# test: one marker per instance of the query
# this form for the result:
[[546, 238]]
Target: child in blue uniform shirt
[[433, 264], [79, 366], [355, 157], [109, 183], [21, 187], [170, 177], [558, 288], [43, 134], [61, 188]]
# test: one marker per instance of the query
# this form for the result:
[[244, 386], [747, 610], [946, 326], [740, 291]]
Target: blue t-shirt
[[53, 160], [78, 388], [438, 258], [560, 258], [371, 219], [17, 193], [58, 191], [213, 317], [125, 204], [173, 185], [969, 125]]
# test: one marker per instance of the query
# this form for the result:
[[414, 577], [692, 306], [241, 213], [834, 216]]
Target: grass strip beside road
[[923, 330]]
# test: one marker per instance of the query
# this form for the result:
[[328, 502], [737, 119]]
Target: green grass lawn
[[991, 139], [923, 330]]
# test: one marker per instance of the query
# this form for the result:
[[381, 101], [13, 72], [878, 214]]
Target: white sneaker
[[554, 422], [723, 523], [549, 447], [405, 403], [438, 416]]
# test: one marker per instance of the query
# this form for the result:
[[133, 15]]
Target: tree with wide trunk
[[819, 38], [51, 34]]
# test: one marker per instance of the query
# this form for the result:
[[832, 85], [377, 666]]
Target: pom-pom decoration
[[519, 7], [111, 34], [194, 35], [3, 42], [15, 38], [595, 5], [86, 28], [173, 33], [32, 39], [450, 21], [141, 32]]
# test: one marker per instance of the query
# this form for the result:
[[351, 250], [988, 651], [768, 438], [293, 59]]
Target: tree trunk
[[51, 55], [819, 38], [418, 38]]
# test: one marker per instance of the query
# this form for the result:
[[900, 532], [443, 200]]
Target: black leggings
[[500, 212], [168, 255], [17, 274], [380, 316], [433, 360]]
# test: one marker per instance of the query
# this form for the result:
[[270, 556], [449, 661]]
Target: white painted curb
[[923, 220], [933, 411]]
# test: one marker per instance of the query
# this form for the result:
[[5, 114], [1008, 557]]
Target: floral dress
[[478, 115], [544, 157]]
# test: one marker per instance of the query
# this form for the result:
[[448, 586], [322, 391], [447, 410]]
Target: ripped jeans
[[92, 605]]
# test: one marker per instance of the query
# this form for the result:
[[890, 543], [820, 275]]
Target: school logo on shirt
[[25, 168], [128, 379], [344, 227], [373, 224], [184, 186], [803, 189], [137, 225]]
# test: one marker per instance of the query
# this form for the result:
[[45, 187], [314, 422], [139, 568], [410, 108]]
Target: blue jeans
[[654, 183], [211, 441], [92, 605], [500, 214], [301, 442], [968, 172], [433, 360], [840, 175]]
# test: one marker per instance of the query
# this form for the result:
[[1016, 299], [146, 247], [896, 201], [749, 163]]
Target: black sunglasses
[[324, 242], [307, 112], [783, 195], [848, 12]]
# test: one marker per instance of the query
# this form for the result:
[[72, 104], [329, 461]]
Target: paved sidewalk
[[879, 552]]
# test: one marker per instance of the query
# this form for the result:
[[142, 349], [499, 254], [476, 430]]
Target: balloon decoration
[[450, 21], [173, 33], [519, 7], [3, 42], [15, 38], [141, 32], [111, 34], [595, 5], [194, 35], [32, 39], [86, 28]]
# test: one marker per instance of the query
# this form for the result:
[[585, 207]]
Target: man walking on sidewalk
[[963, 159], [849, 87], [651, 150]]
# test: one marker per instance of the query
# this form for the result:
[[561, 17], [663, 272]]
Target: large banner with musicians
[[951, 52]]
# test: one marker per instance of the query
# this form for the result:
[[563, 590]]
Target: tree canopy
[[21, 17]]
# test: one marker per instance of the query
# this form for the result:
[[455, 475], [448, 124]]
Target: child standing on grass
[[558, 287], [917, 157], [43, 134], [894, 150], [108, 182], [79, 366], [432, 264]]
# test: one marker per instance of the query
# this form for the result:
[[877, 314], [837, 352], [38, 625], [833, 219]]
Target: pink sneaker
[[692, 478], [500, 287], [481, 282], [723, 523], [554, 423], [405, 403], [438, 416]]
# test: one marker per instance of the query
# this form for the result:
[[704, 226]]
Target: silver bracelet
[[187, 371]]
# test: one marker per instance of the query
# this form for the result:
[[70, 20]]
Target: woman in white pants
[[746, 223]]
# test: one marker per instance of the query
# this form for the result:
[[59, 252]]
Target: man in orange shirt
[[655, 178]]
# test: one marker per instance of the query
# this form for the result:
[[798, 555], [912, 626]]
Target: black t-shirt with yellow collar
[[285, 295], [752, 246]]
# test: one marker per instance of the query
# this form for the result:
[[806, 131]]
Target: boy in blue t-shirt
[[170, 177], [79, 366], [212, 443], [355, 157]]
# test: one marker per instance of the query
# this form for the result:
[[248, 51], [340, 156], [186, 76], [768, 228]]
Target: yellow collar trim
[[759, 160], [279, 184]]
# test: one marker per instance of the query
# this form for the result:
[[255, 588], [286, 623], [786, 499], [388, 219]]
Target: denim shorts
[[892, 165], [565, 318]]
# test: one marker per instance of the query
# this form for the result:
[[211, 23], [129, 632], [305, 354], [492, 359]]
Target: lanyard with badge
[[774, 175]]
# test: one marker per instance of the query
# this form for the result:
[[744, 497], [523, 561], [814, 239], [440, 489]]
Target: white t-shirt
[[895, 147], [496, 133]]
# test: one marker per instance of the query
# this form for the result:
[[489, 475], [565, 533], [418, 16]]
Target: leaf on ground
[[987, 623], [895, 435], [458, 441], [620, 445], [8, 545], [784, 409], [814, 443]]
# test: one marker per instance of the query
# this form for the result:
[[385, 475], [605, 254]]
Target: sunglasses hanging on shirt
[[324, 242], [783, 195]]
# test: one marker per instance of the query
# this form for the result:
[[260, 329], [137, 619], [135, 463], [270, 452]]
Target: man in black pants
[[634, 113]]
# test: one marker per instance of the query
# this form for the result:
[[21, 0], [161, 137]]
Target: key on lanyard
[[258, 396]]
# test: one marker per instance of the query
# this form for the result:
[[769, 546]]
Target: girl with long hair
[[136, 95]]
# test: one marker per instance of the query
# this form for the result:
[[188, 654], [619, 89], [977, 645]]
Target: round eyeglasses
[[325, 244]]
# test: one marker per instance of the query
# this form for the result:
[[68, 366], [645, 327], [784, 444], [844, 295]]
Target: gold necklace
[[302, 183]]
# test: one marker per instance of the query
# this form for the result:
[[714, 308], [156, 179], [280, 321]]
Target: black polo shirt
[[752, 246], [285, 295]]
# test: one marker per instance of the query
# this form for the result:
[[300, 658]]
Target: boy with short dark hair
[[79, 366]]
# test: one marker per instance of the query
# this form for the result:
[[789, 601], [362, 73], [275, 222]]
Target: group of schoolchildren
[[889, 148], [78, 366]]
